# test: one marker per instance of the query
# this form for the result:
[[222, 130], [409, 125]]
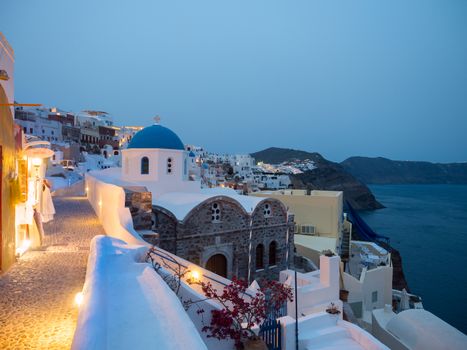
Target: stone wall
[[166, 227], [139, 200], [197, 238]]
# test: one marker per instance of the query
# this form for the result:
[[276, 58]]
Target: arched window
[[272, 253], [153, 221], [267, 210], [144, 165], [215, 212], [259, 257], [169, 166]]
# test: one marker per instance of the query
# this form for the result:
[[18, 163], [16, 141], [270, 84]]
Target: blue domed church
[[216, 228]]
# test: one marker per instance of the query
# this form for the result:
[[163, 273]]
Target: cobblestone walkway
[[37, 308]]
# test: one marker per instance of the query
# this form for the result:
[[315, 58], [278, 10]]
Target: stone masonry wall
[[139, 201], [197, 237]]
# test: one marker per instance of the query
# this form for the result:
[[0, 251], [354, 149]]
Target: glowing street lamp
[[36, 162], [195, 275], [79, 298]]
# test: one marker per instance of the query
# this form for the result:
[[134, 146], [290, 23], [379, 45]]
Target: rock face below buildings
[[326, 176]]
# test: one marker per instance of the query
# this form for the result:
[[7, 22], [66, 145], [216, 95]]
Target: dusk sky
[[343, 78]]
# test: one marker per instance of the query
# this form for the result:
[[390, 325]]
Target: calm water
[[428, 225]]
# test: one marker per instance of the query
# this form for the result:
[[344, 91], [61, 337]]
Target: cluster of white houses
[[87, 128], [222, 234]]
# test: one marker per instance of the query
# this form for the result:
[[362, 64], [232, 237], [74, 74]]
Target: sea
[[428, 225]]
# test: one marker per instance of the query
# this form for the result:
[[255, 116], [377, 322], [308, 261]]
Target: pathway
[[37, 308]]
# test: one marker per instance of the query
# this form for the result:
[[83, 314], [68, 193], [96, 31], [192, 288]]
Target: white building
[[156, 159], [318, 329], [415, 329], [34, 121], [93, 118], [124, 134]]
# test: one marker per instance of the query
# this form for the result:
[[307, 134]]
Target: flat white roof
[[419, 329], [315, 243], [181, 203]]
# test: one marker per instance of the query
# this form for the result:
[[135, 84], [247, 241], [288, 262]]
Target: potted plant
[[328, 253], [333, 310], [241, 312]]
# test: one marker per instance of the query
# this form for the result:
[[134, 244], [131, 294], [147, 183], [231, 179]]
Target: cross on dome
[[157, 119]]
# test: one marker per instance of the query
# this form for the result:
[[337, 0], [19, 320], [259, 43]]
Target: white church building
[[156, 158]]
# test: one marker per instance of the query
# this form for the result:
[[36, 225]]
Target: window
[[307, 229], [115, 153], [215, 212], [144, 166], [267, 210], [169, 166], [272, 253], [259, 257], [153, 221], [52, 132], [374, 296], [30, 130], [25, 130]]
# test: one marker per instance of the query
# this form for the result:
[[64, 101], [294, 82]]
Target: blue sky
[[343, 78]]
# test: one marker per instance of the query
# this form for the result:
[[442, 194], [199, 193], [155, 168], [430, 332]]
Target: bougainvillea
[[241, 311]]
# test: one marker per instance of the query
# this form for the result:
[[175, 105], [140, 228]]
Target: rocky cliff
[[326, 176], [385, 171]]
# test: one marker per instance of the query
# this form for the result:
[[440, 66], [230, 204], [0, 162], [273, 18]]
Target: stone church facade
[[223, 245]]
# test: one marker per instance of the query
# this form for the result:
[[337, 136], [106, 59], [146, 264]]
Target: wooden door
[[217, 264]]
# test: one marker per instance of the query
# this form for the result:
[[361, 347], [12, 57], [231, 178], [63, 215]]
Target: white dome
[[419, 329]]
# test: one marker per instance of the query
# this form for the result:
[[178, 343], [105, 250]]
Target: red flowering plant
[[241, 311]]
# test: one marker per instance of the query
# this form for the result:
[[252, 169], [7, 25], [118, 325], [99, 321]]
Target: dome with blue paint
[[191, 154], [156, 136]]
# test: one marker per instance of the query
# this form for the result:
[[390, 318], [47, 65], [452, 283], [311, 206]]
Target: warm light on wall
[[100, 203], [79, 298], [36, 161], [23, 247], [195, 275]]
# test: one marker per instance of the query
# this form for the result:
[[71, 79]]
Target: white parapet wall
[[108, 201], [127, 305], [316, 290]]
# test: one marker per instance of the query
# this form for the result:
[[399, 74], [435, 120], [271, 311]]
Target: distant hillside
[[327, 176], [274, 155], [385, 171]]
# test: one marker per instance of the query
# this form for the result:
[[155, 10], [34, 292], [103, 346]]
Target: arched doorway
[[217, 264]]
